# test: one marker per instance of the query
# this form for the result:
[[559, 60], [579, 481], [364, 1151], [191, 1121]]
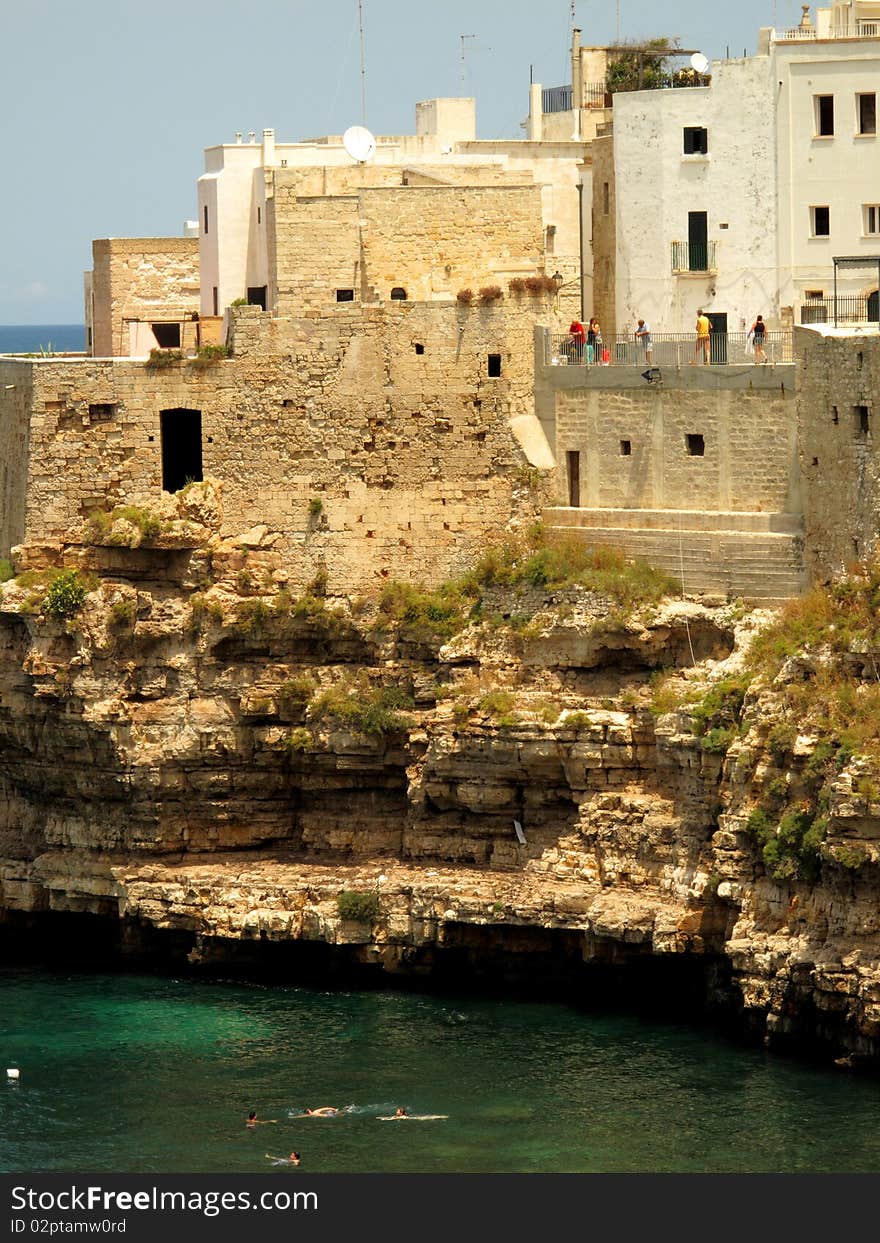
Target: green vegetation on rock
[[362, 907]]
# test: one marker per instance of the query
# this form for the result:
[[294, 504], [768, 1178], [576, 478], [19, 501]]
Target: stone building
[[141, 294], [238, 215]]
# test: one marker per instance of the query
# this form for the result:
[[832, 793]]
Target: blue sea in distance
[[32, 338]]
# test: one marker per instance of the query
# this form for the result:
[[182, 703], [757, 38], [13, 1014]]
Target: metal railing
[[668, 349], [693, 257], [851, 309], [556, 99]]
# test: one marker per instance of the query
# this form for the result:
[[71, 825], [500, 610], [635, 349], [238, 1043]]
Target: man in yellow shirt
[[704, 327]]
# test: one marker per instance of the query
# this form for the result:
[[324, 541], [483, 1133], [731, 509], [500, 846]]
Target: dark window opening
[[606, 198], [288, 403], [398, 294], [821, 221], [167, 336], [345, 295], [573, 460], [696, 140], [824, 115], [256, 296], [420, 349], [863, 420], [696, 446], [88, 338], [216, 301], [494, 365], [835, 417], [815, 461], [259, 215], [102, 410], [867, 114], [206, 219], [815, 293], [625, 448], [181, 448]]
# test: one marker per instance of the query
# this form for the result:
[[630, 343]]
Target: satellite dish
[[699, 62], [359, 143]]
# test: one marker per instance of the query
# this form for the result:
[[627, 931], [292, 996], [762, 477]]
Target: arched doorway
[[874, 307]]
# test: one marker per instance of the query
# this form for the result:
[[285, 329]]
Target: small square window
[[696, 140], [494, 365], [824, 115], [820, 222], [866, 113], [625, 448], [696, 446], [419, 348], [345, 295]]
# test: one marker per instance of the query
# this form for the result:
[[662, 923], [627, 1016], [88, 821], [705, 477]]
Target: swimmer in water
[[326, 1111], [294, 1158], [400, 1112], [253, 1120]]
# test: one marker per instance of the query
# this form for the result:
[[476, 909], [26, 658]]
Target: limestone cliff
[[198, 754]]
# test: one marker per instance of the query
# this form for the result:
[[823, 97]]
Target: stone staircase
[[756, 556]]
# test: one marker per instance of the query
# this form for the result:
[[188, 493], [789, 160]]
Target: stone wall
[[840, 462], [429, 240], [635, 453], [16, 394], [374, 442], [141, 278]]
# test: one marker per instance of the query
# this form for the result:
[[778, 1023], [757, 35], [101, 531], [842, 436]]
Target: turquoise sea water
[[140, 1074], [27, 338]]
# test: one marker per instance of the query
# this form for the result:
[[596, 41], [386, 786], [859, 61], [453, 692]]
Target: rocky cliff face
[[195, 753]]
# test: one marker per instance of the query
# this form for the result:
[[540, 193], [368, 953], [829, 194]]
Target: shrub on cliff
[[6, 570], [135, 524], [543, 559], [65, 595], [422, 615], [363, 907], [363, 708]]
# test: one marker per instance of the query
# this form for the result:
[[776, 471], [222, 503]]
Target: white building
[[735, 197]]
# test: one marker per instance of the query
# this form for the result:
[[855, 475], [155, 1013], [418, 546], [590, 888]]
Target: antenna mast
[[363, 64], [461, 59]]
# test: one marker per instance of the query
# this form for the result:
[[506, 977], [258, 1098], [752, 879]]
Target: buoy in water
[[12, 1074]]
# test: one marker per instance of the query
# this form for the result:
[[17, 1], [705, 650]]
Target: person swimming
[[253, 1120], [293, 1159], [400, 1112], [325, 1111]]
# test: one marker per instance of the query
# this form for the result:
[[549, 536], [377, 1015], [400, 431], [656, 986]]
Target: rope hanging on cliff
[[681, 577]]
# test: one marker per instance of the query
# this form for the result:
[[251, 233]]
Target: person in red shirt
[[578, 338]]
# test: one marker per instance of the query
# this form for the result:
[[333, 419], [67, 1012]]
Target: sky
[[107, 105]]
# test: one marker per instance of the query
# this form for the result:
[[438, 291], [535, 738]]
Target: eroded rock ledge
[[163, 761]]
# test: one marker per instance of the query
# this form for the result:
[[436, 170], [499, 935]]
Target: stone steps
[[765, 566], [676, 519]]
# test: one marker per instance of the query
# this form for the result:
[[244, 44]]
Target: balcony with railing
[[693, 257], [860, 28], [845, 309]]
